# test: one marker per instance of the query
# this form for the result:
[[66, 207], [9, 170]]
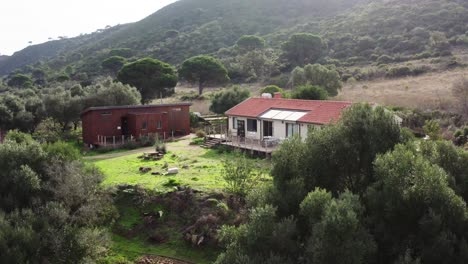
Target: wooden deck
[[253, 145]]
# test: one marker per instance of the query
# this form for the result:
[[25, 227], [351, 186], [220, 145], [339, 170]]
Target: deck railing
[[253, 144]]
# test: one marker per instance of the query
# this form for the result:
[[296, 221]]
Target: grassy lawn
[[202, 168], [202, 172]]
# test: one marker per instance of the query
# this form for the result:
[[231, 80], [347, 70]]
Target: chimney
[[278, 95]]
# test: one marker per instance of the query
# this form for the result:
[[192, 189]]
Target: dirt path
[[180, 143]]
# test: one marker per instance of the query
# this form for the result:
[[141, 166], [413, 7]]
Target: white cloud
[[22, 21]]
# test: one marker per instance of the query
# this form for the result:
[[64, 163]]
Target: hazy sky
[[22, 21]]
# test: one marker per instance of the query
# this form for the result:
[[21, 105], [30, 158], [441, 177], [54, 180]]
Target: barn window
[[252, 125], [144, 125], [106, 113], [176, 109], [159, 124]]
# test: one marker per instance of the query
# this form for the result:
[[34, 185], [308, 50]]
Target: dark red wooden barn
[[118, 124]]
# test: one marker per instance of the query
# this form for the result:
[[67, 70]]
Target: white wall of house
[[304, 131], [279, 128], [248, 134]]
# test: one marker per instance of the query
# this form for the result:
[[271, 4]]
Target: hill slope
[[356, 31], [204, 26]]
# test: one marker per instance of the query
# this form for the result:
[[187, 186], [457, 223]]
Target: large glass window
[[267, 129], [234, 123], [291, 129], [144, 125], [159, 124], [252, 125]]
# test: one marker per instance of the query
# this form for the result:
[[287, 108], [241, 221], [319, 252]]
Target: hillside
[[358, 31], [198, 26]]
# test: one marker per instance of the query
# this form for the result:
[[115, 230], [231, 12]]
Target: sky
[[22, 21]]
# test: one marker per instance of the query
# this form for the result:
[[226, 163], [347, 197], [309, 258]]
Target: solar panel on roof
[[283, 115]]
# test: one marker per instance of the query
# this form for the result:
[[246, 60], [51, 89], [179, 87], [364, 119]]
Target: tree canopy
[[228, 98], [113, 64], [250, 42], [304, 48], [203, 70], [152, 78], [315, 74], [309, 92], [51, 206]]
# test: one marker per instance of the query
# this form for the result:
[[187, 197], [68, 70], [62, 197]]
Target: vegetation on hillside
[[346, 33]]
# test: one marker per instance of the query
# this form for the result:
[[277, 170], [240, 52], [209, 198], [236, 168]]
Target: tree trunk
[[200, 88]]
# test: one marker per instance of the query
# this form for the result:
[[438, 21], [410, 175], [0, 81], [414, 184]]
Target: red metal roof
[[318, 112]]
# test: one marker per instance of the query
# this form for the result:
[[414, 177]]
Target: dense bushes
[[51, 206], [316, 74], [352, 194], [309, 92], [226, 99]]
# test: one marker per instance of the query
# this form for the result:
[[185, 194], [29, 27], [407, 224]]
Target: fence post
[[113, 141], [105, 141]]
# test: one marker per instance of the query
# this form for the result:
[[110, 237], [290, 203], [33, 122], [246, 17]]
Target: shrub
[[385, 59], [401, 71], [197, 141], [18, 137], [130, 145], [226, 99], [461, 136], [63, 151], [48, 131], [194, 120], [271, 89], [146, 141], [432, 129], [200, 134], [309, 92], [160, 146], [172, 182], [238, 172]]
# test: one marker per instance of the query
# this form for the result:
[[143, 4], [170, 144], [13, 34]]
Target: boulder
[[145, 169], [172, 171]]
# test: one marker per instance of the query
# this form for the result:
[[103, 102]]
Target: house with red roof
[[268, 120]]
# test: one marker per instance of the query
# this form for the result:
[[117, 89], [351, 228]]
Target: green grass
[[134, 248], [203, 172]]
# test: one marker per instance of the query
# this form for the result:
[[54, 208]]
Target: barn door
[[124, 126]]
